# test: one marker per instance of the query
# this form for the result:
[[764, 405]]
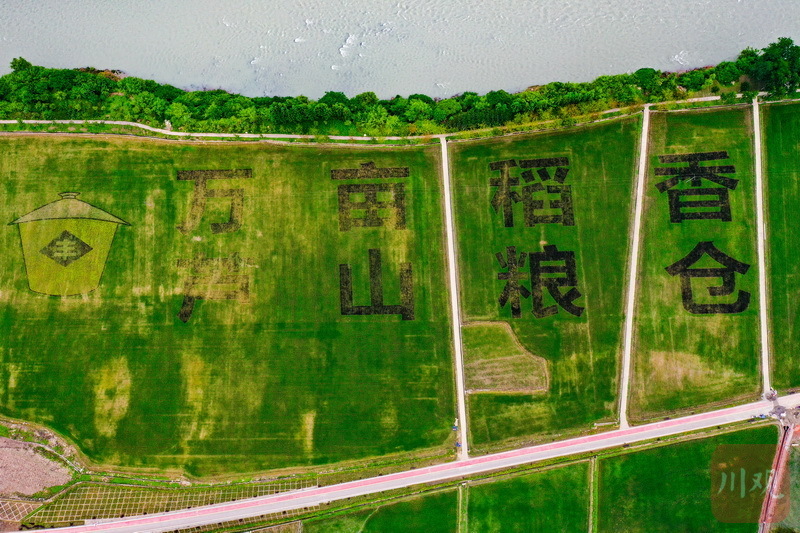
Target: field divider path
[[761, 244], [452, 271], [633, 268]]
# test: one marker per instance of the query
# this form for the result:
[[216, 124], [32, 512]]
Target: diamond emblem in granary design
[[66, 249]]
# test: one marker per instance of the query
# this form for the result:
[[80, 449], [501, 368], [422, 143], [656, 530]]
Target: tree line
[[35, 92]]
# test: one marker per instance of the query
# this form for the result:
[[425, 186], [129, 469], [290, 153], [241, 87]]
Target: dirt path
[[633, 271], [761, 241], [455, 307]]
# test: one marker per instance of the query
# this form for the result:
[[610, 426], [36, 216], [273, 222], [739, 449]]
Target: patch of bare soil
[[25, 472]]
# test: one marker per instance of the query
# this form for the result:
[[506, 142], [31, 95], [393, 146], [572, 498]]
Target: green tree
[[417, 110], [445, 109], [18, 64], [727, 72], [778, 67]]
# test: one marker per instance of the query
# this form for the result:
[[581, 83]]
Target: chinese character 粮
[[513, 289], [553, 277]]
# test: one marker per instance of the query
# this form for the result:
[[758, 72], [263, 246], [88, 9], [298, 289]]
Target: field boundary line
[[761, 244], [633, 269], [452, 271], [592, 494]]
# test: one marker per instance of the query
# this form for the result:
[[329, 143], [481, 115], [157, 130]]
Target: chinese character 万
[[371, 204], [213, 278], [203, 193], [513, 289], [709, 202], [377, 307], [544, 274], [535, 192], [730, 267]]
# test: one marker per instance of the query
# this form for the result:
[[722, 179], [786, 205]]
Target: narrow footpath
[[455, 306], [761, 244], [633, 271]]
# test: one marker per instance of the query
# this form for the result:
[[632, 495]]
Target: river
[[436, 47]]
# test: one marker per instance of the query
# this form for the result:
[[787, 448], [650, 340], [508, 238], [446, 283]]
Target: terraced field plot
[[583, 178], [696, 333], [215, 340], [781, 130]]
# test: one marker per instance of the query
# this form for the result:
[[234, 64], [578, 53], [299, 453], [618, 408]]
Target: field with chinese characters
[[687, 360], [781, 127], [260, 370], [581, 351]]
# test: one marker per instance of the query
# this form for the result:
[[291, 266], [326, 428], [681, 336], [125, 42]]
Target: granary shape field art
[[215, 341]]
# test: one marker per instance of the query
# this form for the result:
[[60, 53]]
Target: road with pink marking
[[433, 474]]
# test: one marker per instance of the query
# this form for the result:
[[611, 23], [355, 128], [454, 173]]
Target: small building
[[66, 244]]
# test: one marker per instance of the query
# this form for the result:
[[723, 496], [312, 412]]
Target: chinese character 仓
[[727, 273]]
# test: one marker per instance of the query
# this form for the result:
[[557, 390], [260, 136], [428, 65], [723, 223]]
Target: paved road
[[434, 474]]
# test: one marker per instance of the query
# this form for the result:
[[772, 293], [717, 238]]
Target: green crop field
[[581, 352], [781, 129], [686, 359], [215, 340], [556, 499], [670, 488], [432, 513]]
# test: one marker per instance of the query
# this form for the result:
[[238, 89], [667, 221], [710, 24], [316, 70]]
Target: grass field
[[432, 513], [552, 500], [276, 379], [555, 499], [684, 360], [581, 351], [781, 131], [669, 488], [494, 361]]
